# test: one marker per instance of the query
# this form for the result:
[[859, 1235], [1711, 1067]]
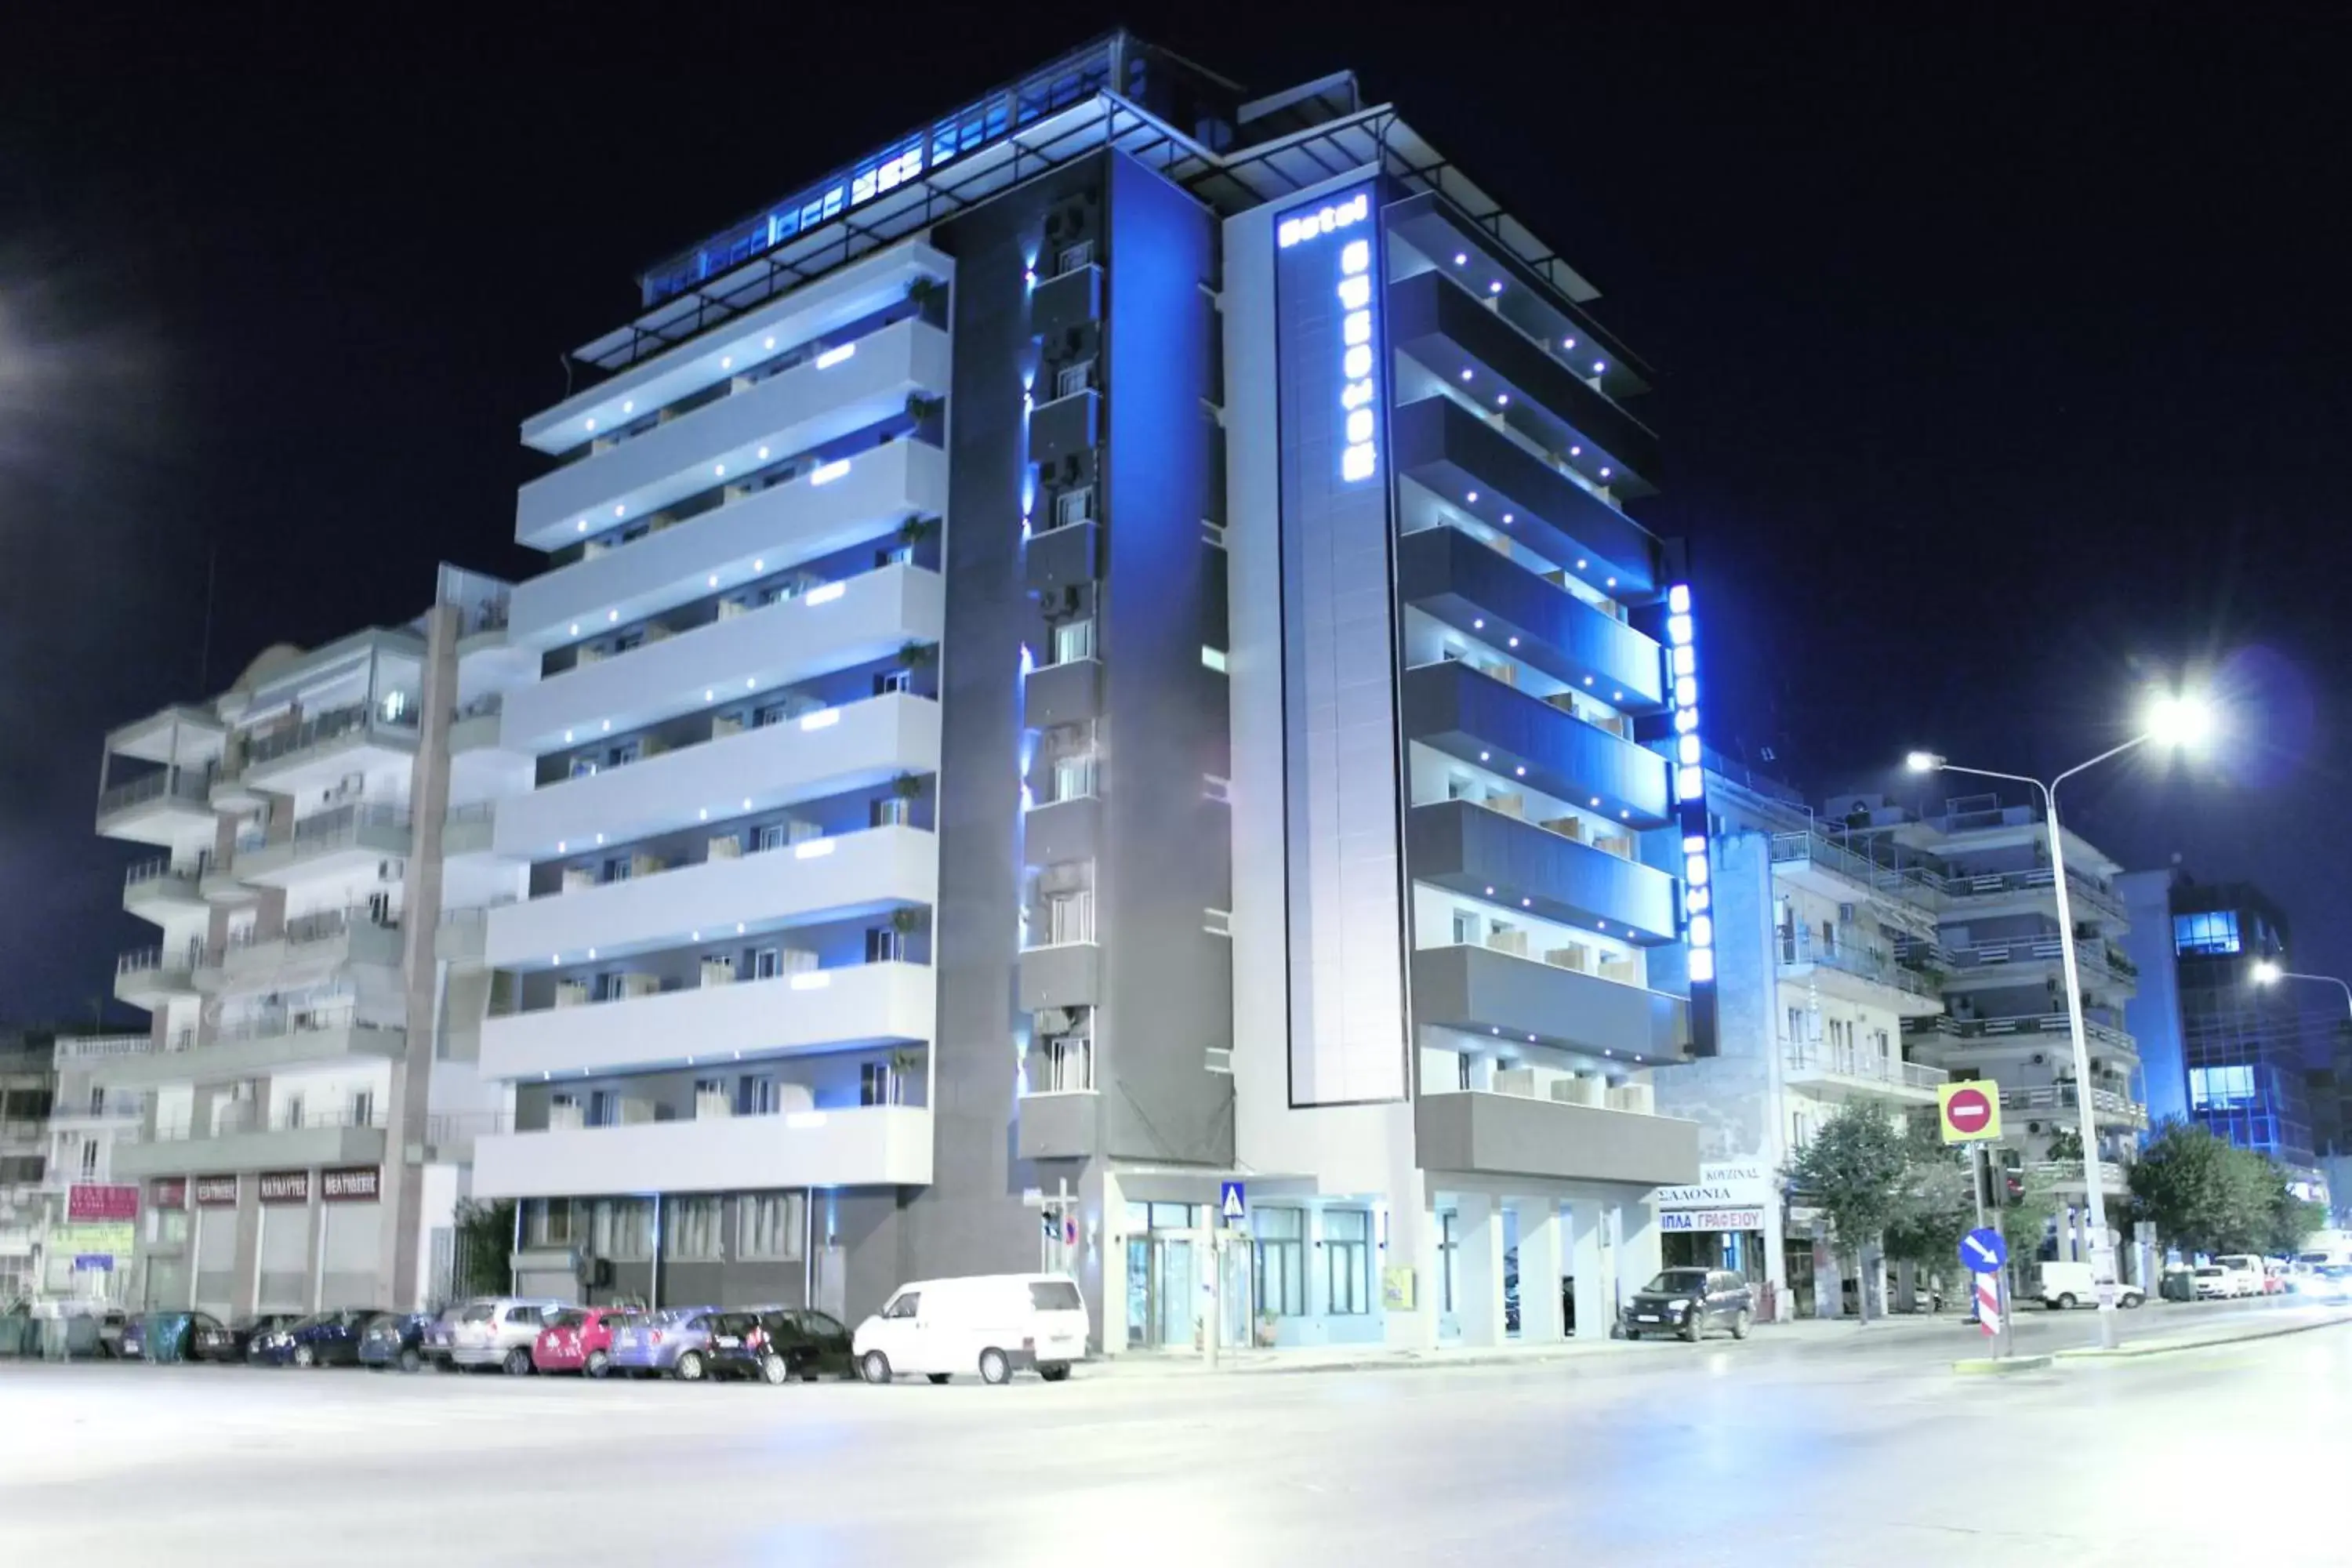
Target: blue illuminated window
[[2215, 931]]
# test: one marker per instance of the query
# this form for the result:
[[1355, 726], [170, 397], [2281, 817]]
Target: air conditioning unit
[[392, 871], [2039, 1058], [1051, 1021], [2033, 1127]]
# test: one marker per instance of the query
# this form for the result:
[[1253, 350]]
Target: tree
[[1854, 1172], [2201, 1194], [1938, 1201], [486, 1233], [2291, 1219]]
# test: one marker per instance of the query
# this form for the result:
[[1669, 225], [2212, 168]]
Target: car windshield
[[2208, 1272], [1055, 1296], [1671, 1281], [810, 1321], [482, 1313]]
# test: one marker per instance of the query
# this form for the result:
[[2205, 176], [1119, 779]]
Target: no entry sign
[[1968, 1111]]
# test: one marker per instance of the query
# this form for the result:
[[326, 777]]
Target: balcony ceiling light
[[559, 845], [1461, 258], [575, 629], [759, 565], [1587, 681], [1490, 892], [567, 737], [727, 361], [1474, 498], [1595, 801], [1495, 286], [612, 615], [1524, 903], [1520, 772], [608, 729], [1482, 756], [1506, 517], [1624, 816], [1466, 373], [750, 682], [719, 470], [584, 525], [694, 936], [1478, 623], [709, 696], [747, 803], [1502, 400], [739, 928], [591, 425], [1567, 344], [592, 953], [629, 408], [1515, 642], [769, 344], [1604, 473], [1616, 697], [1600, 366], [714, 580], [620, 508], [1612, 582], [1581, 563]]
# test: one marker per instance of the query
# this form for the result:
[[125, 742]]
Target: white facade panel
[[818, 1010], [872, 1145], [840, 299], [788, 414], [857, 746], [765, 531], [839, 877], [864, 618]]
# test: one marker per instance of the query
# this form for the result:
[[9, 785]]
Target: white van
[[993, 1324], [2065, 1286], [2241, 1272]]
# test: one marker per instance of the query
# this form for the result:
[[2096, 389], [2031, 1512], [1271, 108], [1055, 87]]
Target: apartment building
[[1826, 959], [27, 1181], [1095, 655], [2005, 1018], [297, 1118]]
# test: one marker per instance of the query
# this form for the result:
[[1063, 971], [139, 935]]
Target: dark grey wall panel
[[1065, 426], [1479, 991], [1506, 1135], [1469, 848], [1064, 557], [1460, 581], [1064, 830], [1454, 706], [1060, 1126], [1069, 976], [1060, 693]]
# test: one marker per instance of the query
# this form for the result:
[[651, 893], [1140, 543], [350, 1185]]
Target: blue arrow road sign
[[1233, 1202], [1982, 1251]]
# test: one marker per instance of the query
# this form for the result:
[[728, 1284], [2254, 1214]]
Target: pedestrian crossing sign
[[1233, 1202]]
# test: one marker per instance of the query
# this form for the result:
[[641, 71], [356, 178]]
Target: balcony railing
[[1997, 1029], [177, 783], [327, 925], [162, 869], [154, 960], [2105, 1102], [1867, 963], [277, 1023], [1999, 884], [329, 726], [244, 1117], [104, 1048], [1848, 1061]]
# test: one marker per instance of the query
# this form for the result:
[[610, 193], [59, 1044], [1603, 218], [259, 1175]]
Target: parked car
[[579, 1339], [993, 1324], [2065, 1286], [1690, 1301], [496, 1330], [176, 1336], [113, 1323], [676, 1341], [2244, 1270], [323, 1338], [2213, 1282], [395, 1339], [243, 1333], [209, 1339], [779, 1346]]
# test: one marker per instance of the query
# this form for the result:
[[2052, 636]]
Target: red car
[[578, 1339]]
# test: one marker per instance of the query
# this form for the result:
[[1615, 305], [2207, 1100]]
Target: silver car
[[495, 1330]]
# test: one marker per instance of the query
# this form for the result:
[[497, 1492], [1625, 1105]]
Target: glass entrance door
[[1174, 1289]]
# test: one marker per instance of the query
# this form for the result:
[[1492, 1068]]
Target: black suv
[[1689, 1302], [777, 1345]]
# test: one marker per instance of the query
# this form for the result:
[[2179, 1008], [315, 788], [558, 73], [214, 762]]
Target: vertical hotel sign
[[1690, 814], [1345, 902]]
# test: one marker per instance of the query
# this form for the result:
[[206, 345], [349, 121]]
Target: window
[[98, 1099], [364, 1108], [617, 869], [890, 681], [768, 717], [290, 1114], [1074, 776], [1055, 1296], [1073, 640], [623, 1229], [768, 1226], [2213, 931], [603, 1107], [1447, 1246], [1069, 1061], [1466, 929], [766, 837], [88, 1158], [1070, 917], [767, 964], [2221, 1088], [874, 1083], [897, 555], [1074, 506], [549, 1223], [690, 1229], [584, 767], [1279, 1258], [903, 1305], [1347, 1246], [884, 945], [890, 810], [755, 1096], [523, 1317], [622, 755], [1073, 379]]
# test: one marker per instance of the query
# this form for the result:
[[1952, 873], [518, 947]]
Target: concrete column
[[1642, 1250], [1776, 1262], [1588, 1262], [1542, 1262], [245, 1285], [1828, 1283], [1478, 1269], [1412, 1243], [1110, 1323]]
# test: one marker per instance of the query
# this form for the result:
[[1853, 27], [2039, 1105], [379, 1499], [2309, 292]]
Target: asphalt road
[[1797, 1447]]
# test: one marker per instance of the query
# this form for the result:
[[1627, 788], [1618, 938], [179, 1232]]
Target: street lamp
[[2172, 721], [2267, 972]]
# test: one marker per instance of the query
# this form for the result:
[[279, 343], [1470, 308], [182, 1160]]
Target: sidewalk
[[1140, 1364]]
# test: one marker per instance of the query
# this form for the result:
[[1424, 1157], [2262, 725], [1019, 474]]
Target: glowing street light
[[2172, 721]]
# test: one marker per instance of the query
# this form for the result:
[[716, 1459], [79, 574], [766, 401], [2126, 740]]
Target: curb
[[1989, 1366], [2165, 1347]]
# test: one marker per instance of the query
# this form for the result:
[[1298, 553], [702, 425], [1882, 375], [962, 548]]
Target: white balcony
[[858, 745], [159, 888], [255, 1050], [794, 412], [81, 1050], [332, 844], [167, 807], [311, 949], [152, 976], [1846, 1071], [846, 1008], [183, 1151], [330, 746], [853, 622], [849, 875], [869, 1145], [765, 531]]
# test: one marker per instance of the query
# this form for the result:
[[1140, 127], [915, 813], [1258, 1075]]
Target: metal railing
[[331, 725], [1910, 884], [2069, 1172], [1875, 964], [153, 960], [178, 783], [2052, 1024], [1997, 883], [483, 707], [2105, 1102], [2089, 953], [1849, 1061], [278, 1023], [104, 1048], [327, 925], [160, 869], [242, 1116]]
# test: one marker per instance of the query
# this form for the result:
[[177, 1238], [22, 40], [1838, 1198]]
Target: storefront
[[1727, 1219]]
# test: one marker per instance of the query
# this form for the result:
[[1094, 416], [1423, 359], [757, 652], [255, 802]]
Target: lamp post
[[2171, 722], [2269, 973]]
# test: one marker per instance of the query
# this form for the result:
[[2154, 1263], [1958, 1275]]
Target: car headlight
[[1678, 1303]]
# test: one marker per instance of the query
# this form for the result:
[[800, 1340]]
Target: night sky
[[2001, 370]]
